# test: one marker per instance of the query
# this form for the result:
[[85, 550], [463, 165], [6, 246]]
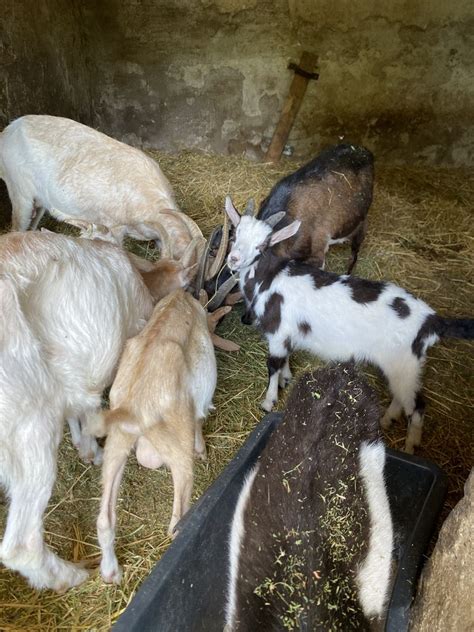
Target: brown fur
[[327, 210], [330, 196], [153, 407]]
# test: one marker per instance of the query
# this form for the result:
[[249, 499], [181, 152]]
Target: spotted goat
[[297, 305], [312, 536]]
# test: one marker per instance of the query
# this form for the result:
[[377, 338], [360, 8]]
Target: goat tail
[[124, 419], [456, 328]]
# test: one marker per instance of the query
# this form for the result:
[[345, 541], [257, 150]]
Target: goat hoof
[[113, 576], [74, 576], [268, 405], [202, 456], [386, 422], [99, 457]]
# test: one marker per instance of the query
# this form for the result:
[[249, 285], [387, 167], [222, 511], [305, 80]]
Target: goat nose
[[233, 258]]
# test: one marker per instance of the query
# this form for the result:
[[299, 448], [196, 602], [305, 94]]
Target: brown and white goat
[[73, 171], [330, 196], [67, 307], [312, 535], [161, 395]]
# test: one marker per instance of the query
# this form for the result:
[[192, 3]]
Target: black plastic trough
[[185, 592]]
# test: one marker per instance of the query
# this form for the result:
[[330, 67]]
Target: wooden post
[[303, 73]]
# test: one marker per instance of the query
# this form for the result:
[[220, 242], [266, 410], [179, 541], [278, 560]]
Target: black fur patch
[[274, 364], [321, 278], [429, 327], [363, 290], [420, 403], [249, 287], [309, 482], [271, 319], [400, 305], [336, 158], [287, 344], [268, 267], [456, 327], [248, 317], [304, 328]]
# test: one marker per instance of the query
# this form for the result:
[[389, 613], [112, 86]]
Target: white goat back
[[75, 171], [82, 300]]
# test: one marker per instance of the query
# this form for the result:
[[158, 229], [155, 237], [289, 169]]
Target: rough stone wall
[[445, 595], [212, 73], [396, 76], [42, 65]]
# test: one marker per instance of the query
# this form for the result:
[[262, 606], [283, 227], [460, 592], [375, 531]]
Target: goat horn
[[201, 274], [250, 208], [221, 293], [203, 298], [191, 225], [218, 262], [84, 225], [136, 231], [275, 218]]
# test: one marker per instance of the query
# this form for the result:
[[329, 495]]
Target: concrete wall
[[396, 76], [212, 74]]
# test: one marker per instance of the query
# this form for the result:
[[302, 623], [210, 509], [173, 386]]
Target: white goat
[[298, 306], [158, 401], [67, 307], [73, 171]]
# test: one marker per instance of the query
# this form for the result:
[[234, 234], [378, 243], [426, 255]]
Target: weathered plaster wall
[[211, 73], [397, 76]]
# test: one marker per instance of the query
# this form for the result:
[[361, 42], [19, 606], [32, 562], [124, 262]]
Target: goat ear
[[285, 233], [250, 208], [214, 317], [231, 211], [187, 274], [191, 253], [275, 218], [225, 345]]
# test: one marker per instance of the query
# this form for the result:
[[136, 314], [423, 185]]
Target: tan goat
[[160, 397]]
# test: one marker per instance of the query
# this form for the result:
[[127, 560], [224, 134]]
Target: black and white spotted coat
[[298, 306]]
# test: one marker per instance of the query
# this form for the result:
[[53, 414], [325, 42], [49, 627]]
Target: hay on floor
[[420, 236]]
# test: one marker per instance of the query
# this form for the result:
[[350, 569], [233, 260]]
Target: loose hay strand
[[420, 236]]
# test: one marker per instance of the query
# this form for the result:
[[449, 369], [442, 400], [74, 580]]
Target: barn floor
[[420, 236]]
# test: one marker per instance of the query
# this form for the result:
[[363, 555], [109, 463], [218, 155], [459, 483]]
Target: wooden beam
[[304, 71]]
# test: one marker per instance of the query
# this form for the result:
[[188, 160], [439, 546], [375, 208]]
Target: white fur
[[251, 233], [373, 577], [66, 308], [341, 328], [73, 171], [236, 536]]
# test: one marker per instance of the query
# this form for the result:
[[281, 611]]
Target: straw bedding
[[420, 236]]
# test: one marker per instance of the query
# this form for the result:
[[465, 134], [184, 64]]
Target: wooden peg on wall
[[304, 71]]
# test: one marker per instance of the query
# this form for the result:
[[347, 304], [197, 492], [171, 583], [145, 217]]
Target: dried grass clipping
[[420, 236]]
